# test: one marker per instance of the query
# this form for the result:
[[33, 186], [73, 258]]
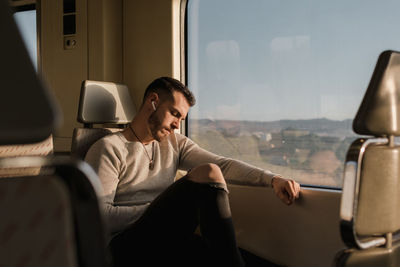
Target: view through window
[[26, 22], [278, 83]]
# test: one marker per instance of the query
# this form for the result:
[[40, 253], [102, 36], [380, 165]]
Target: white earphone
[[154, 106]]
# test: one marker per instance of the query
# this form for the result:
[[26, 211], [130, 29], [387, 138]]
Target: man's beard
[[154, 126]]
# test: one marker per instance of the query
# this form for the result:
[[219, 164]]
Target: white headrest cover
[[105, 102]]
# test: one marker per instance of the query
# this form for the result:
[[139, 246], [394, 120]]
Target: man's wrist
[[273, 178]]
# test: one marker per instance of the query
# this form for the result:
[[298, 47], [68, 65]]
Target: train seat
[[101, 103], [42, 148], [370, 214], [51, 217]]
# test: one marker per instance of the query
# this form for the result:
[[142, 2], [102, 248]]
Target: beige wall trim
[[176, 39], [148, 44], [105, 40]]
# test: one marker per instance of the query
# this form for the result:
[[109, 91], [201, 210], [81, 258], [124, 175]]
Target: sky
[[267, 60]]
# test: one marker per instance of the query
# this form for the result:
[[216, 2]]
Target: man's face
[[168, 115]]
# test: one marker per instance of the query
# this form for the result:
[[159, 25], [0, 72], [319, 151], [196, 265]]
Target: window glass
[[279, 82], [26, 21]]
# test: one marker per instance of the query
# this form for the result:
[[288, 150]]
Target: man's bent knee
[[206, 173]]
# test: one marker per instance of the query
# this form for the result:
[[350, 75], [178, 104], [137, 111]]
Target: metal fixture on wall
[[69, 24]]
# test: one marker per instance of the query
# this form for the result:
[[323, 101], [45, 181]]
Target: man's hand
[[286, 189]]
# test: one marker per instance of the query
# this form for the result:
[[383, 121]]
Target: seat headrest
[[379, 112], [105, 102], [28, 113]]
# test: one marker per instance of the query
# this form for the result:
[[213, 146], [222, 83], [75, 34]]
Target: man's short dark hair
[[165, 86]]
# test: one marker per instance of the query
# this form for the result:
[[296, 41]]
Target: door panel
[[304, 234]]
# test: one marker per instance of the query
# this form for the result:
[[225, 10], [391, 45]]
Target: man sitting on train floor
[[151, 217]]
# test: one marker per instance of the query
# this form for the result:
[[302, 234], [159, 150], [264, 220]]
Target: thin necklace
[[151, 164]]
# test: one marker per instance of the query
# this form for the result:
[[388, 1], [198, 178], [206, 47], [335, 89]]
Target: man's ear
[[153, 97], [153, 100]]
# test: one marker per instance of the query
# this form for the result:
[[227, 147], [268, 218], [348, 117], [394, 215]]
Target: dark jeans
[[164, 235]]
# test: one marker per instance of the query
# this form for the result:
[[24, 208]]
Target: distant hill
[[320, 126]]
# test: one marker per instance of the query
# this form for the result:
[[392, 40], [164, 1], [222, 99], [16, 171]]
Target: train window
[[279, 82], [26, 21]]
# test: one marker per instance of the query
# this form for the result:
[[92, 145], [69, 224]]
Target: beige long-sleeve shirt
[[129, 185]]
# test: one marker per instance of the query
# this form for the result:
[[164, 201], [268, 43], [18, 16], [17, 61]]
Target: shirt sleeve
[[234, 171], [107, 161]]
